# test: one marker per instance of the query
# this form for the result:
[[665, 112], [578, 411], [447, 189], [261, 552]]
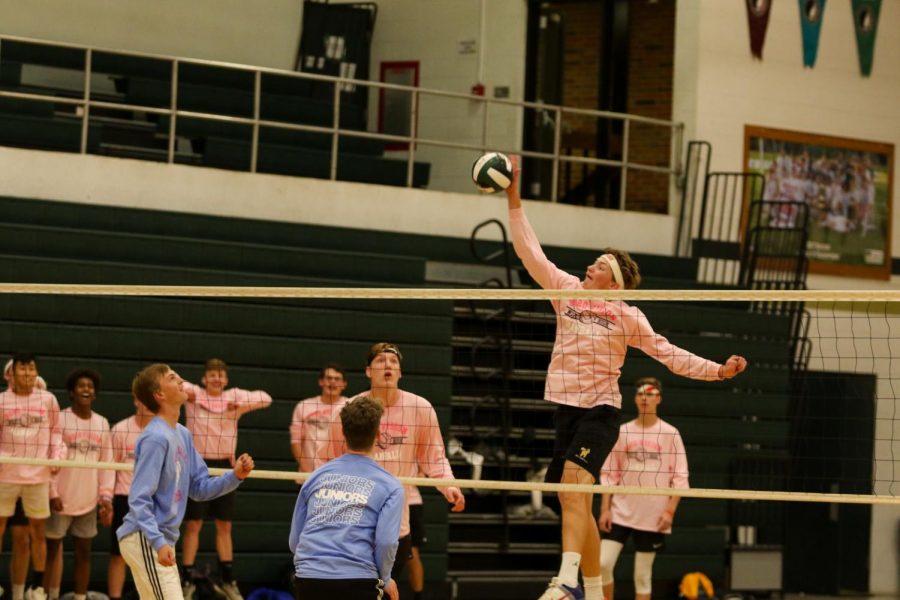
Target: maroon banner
[[758, 18]]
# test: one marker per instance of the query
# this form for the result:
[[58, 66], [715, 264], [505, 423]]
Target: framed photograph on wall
[[847, 185]]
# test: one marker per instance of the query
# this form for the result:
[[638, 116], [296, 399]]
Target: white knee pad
[[609, 554], [643, 572]]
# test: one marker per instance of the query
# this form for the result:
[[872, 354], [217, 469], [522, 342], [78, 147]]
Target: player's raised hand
[[733, 366], [243, 465], [512, 192]]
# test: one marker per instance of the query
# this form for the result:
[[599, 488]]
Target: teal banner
[[865, 22], [811, 14]]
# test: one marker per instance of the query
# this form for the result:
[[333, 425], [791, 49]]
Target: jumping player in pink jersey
[[650, 453], [124, 435], [212, 415], [312, 418], [592, 337], [29, 428], [76, 494], [410, 442]]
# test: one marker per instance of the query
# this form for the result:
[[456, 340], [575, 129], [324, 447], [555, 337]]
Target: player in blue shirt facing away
[[347, 519], [167, 470]]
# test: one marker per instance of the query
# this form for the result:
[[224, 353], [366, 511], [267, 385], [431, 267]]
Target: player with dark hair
[[313, 417], [649, 453]]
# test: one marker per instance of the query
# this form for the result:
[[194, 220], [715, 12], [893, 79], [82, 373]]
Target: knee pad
[[643, 572], [609, 555]]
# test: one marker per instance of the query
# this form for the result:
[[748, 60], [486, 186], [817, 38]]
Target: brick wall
[[650, 65]]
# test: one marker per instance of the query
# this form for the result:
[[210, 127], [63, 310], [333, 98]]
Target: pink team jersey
[[410, 443], [213, 419], [86, 440], [645, 457], [310, 427], [592, 336], [124, 435], [29, 428]]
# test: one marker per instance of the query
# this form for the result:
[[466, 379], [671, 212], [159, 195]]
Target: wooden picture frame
[[847, 185]]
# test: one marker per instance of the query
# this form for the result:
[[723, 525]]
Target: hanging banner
[[811, 14], [865, 22], [758, 18]]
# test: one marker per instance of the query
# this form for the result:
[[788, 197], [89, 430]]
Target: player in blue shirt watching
[[167, 470], [347, 518]]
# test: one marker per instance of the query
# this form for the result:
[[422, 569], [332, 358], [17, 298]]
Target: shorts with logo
[[584, 436], [417, 525], [35, 499], [80, 526], [221, 508], [120, 509], [644, 541]]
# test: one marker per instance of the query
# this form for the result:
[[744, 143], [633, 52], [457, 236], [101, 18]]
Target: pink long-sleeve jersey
[[311, 426], [645, 457], [29, 428], [213, 420], [410, 443], [592, 336], [86, 440], [124, 435]]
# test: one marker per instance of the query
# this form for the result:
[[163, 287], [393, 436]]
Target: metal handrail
[[86, 103]]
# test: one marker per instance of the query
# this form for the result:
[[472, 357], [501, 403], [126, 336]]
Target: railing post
[[623, 184], [335, 125], [85, 115], [485, 103], [254, 146], [557, 142], [174, 111], [413, 134]]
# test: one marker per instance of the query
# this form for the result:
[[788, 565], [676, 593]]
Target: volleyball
[[492, 172]]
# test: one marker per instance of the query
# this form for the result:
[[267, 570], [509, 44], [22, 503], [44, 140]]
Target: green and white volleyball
[[492, 172]]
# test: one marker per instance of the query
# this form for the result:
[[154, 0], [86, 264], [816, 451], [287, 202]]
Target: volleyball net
[[815, 417]]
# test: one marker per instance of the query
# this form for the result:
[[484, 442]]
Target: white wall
[[719, 88], [255, 33], [430, 31]]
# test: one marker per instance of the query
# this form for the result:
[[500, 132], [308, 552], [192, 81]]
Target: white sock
[[18, 591], [53, 594], [593, 588], [79, 596], [568, 568]]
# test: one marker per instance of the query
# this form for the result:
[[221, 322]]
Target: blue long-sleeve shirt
[[346, 521], [167, 469]]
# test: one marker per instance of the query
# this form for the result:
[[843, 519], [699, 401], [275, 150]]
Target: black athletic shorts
[[18, 519], [417, 525], [584, 436], [221, 508], [120, 509], [404, 553], [345, 589], [644, 541]]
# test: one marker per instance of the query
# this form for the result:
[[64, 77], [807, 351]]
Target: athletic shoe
[[35, 593], [558, 591], [187, 590], [230, 590]]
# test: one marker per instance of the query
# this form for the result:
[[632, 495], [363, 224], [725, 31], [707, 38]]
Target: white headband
[[614, 265], [648, 388]]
